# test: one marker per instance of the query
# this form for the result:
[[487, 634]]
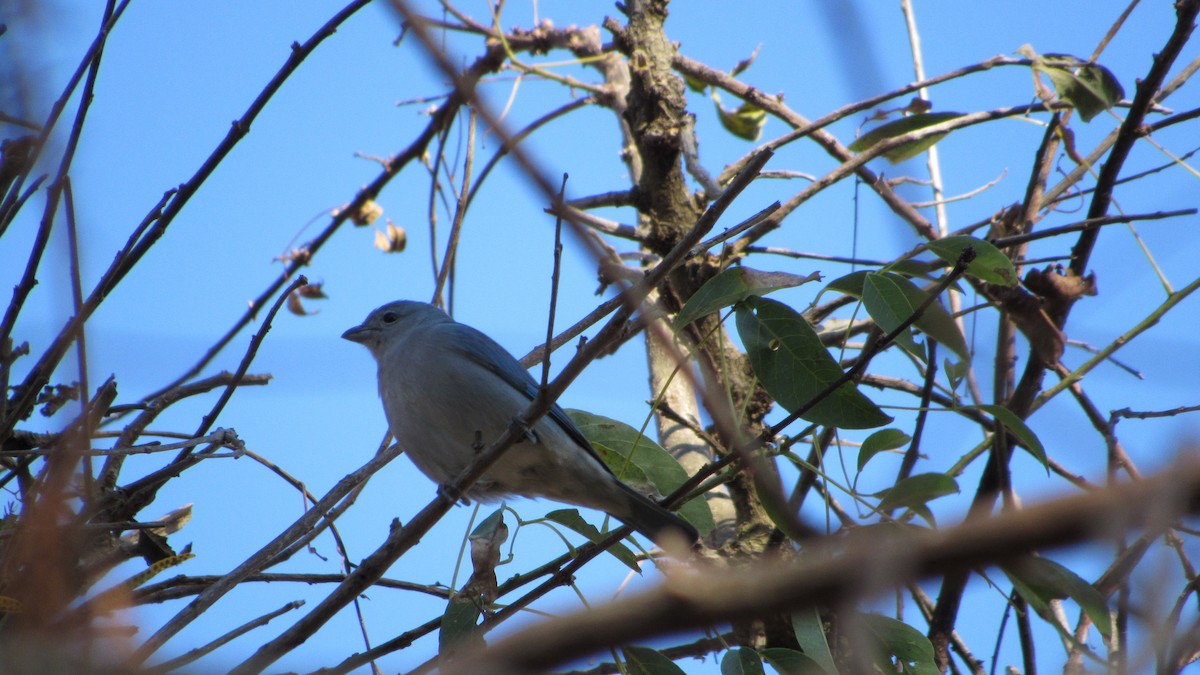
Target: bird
[[448, 390]]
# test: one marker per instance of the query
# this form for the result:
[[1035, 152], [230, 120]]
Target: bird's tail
[[654, 521]]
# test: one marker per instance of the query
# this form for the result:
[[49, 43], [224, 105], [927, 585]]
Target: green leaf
[[910, 267], [637, 459], [490, 527], [768, 487], [990, 263], [743, 65], [810, 635], [900, 127], [1040, 580], [1090, 88], [694, 84], [745, 122], [911, 649], [792, 364], [916, 491], [734, 285], [1019, 429], [956, 372], [890, 299], [791, 662], [460, 632], [885, 299], [851, 284], [1101, 81], [646, 661], [884, 439], [571, 519], [741, 661]]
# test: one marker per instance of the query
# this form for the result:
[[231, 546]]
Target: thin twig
[[774, 250], [187, 586], [223, 437], [617, 198], [460, 214], [554, 277], [81, 362], [942, 201], [1089, 223], [736, 229], [255, 342], [600, 224], [200, 652]]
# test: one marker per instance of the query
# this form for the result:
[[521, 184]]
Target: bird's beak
[[360, 334]]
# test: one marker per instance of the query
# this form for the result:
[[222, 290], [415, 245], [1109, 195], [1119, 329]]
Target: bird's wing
[[488, 354]]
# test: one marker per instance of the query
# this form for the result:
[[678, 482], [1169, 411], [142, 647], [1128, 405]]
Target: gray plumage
[[448, 389]]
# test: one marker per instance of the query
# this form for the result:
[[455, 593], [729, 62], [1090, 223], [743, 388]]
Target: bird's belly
[[544, 464], [521, 470], [527, 468]]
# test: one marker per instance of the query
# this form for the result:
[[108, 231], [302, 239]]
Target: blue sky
[[176, 74]]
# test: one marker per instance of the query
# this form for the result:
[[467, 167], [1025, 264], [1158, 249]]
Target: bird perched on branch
[[448, 391]]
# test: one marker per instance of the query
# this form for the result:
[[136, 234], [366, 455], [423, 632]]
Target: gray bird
[[448, 389]]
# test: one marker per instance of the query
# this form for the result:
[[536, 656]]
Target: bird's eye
[[390, 317]]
